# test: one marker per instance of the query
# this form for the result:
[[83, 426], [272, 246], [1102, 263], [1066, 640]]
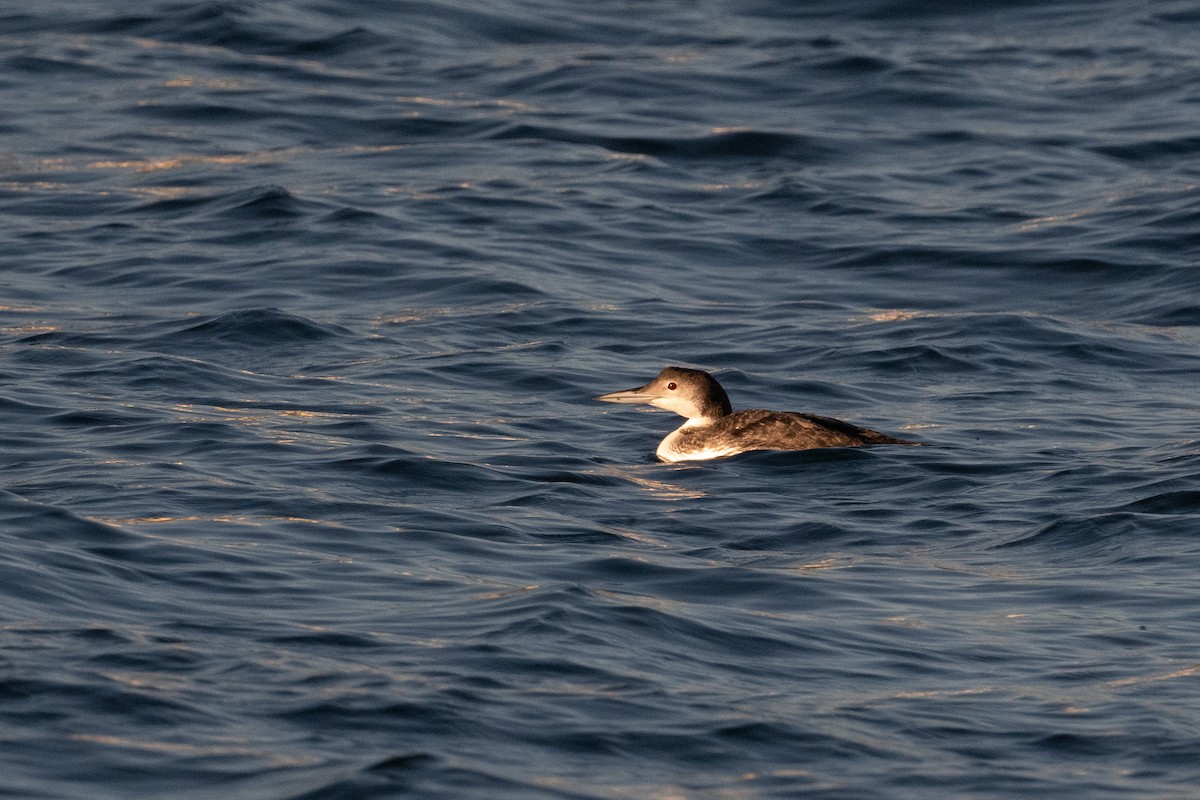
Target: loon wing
[[791, 430]]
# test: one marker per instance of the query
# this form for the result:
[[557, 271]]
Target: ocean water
[[303, 305]]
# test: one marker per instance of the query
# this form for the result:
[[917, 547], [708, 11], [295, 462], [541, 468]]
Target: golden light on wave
[[220, 84], [245, 520], [829, 562], [895, 315], [29, 186], [1186, 672], [194, 751], [1115, 201], [661, 490], [943, 693], [178, 161], [1053, 219], [25, 330], [175, 162], [280, 425], [498, 594], [434, 312], [184, 162], [165, 192], [461, 102], [309, 414], [724, 187]]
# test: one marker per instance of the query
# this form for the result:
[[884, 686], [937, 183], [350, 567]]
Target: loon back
[[756, 429]]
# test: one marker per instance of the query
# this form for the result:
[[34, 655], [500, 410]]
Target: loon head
[[689, 393]]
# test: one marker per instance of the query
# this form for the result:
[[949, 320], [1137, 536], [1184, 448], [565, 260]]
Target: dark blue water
[[303, 305]]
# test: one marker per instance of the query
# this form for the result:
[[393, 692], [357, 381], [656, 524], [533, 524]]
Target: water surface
[[303, 305]]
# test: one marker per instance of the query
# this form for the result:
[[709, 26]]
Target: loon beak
[[638, 395]]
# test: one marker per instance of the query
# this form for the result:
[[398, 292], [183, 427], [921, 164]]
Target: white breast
[[669, 450]]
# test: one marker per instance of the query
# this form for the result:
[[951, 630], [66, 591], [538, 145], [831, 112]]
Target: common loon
[[714, 430]]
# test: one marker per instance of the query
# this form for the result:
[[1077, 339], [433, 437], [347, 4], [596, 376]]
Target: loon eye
[[672, 386]]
